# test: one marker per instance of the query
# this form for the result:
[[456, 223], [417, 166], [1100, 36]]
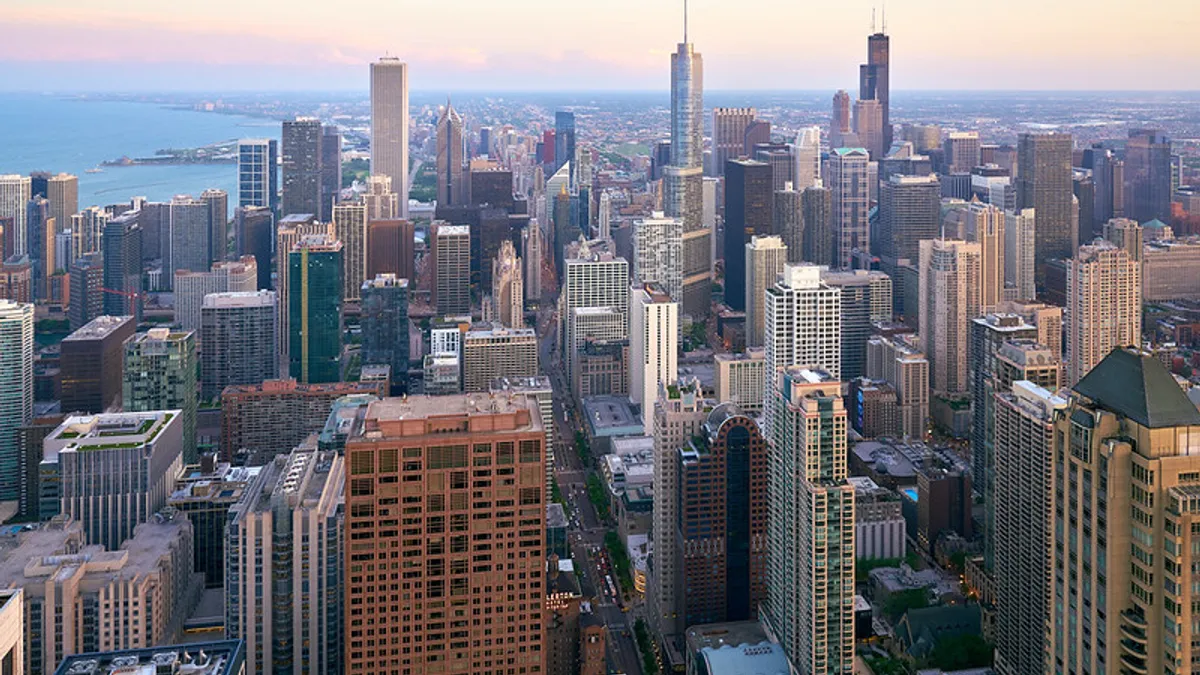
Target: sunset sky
[[534, 45]]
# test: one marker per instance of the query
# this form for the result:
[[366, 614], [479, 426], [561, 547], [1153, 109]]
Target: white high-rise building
[[765, 258], [593, 278], [1019, 240], [849, 183], [802, 323], [15, 192], [807, 152], [949, 301], [350, 227], [389, 125], [657, 243], [1104, 306], [985, 226], [258, 173], [16, 391], [604, 217], [239, 276], [653, 344]]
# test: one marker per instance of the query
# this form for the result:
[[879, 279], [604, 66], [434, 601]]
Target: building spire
[[685, 37], [883, 29]]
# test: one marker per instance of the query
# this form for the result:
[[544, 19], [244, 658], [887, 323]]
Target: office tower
[[91, 365], [873, 79], [840, 131], [188, 232], [1130, 435], [658, 243], [218, 223], [389, 125], [224, 277], [315, 284], [452, 269], [820, 239], [450, 189], [331, 170], [564, 141], [680, 412], [254, 235], [1044, 184], [868, 126], [781, 161], [1020, 241], [289, 233], [16, 390], [722, 529], [385, 325], [1104, 306], [788, 221], [961, 150], [604, 216], [508, 288], [748, 212], [851, 200], [1084, 190], [62, 191], [985, 226], [238, 340], [301, 166], [38, 245], [948, 299], [390, 249], [289, 521], [501, 433], [1100, 161], [740, 379], [897, 362], [258, 173], [809, 603], [123, 266], [765, 259], [205, 492], [15, 193], [160, 374], [802, 322], [866, 299], [381, 202], [116, 470], [653, 343], [807, 153], [1169, 270], [729, 135], [595, 278], [1147, 175], [350, 228], [532, 250], [683, 181], [495, 352], [87, 300], [909, 211]]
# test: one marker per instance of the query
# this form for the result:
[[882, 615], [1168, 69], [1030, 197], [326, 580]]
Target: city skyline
[[191, 50]]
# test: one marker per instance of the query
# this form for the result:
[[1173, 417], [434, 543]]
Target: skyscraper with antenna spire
[[874, 74]]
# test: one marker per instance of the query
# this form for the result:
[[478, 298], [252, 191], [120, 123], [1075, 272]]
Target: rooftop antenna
[[884, 28], [685, 40], [872, 20]]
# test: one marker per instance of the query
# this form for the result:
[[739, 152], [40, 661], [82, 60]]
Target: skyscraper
[[238, 340], [15, 193], [331, 170], [868, 126], [810, 524], [594, 278], [315, 309], [657, 244], [218, 224], [820, 237], [452, 269], [948, 299], [840, 131], [866, 299], [291, 230], [909, 211], [729, 135], [873, 79], [254, 234], [91, 364], [123, 266], [381, 202], [1147, 175], [1104, 306], [350, 228], [564, 141], [225, 277], [508, 288], [160, 374], [533, 256], [258, 173], [851, 193], [748, 212], [1020, 241], [765, 259], [465, 547], [653, 343], [385, 326], [62, 191], [189, 230], [683, 180], [788, 221], [390, 248], [16, 390], [389, 125], [87, 300], [1044, 184], [961, 151], [450, 188], [896, 361], [802, 323], [985, 226], [807, 152], [496, 351], [301, 151]]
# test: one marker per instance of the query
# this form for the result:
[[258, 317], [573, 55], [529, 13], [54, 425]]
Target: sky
[[545, 45]]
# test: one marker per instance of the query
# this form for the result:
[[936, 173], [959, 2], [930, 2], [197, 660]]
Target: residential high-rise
[[807, 153], [15, 193], [594, 278], [350, 228], [961, 151], [740, 379], [851, 199], [239, 276], [284, 548], [809, 603], [1020, 241], [389, 125], [897, 362], [258, 173], [238, 341], [722, 529], [729, 135], [452, 269], [657, 244], [385, 325], [868, 126], [820, 237], [840, 131], [87, 300], [381, 202], [1126, 234], [189, 229], [16, 390], [748, 212], [315, 283], [1043, 183], [116, 470], [390, 249], [874, 80], [1120, 533], [765, 259], [91, 364], [301, 166], [948, 298], [653, 343], [985, 226], [160, 374], [218, 224], [788, 221], [802, 324], [450, 188], [1147, 175], [866, 299], [909, 211], [495, 352], [331, 170], [508, 288], [1104, 306], [464, 544], [62, 191], [123, 266], [683, 181]]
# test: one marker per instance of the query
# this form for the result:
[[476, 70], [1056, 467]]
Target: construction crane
[[133, 297]]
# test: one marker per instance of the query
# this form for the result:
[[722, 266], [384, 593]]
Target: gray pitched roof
[[1139, 387]]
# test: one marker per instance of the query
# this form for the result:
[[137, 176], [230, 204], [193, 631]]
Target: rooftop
[[606, 414], [107, 431], [1137, 386], [531, 385], [98, 328], [224, 657], [235, 299]]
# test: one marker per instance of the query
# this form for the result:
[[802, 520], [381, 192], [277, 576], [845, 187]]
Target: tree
[[902, 601], [961, 652]]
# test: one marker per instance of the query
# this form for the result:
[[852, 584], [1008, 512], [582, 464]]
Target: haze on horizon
[[543, 45]]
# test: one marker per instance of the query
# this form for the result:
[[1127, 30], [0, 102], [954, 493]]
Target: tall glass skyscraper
[[315, 309], [258, 173], [16, 389], [564, 141]]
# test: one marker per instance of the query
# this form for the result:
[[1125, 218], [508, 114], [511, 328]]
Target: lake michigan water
[[54, 133]]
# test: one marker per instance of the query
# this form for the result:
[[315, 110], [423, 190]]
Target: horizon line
[[601, 90]]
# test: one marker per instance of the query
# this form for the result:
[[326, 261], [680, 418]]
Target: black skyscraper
[[749, 203], [873, 80], [302, 166]]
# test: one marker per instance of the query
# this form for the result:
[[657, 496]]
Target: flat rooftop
[[98, 328], [223, 657], [235, 299], [609, 412]]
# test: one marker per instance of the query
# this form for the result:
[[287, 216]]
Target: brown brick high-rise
[[445, 532]]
